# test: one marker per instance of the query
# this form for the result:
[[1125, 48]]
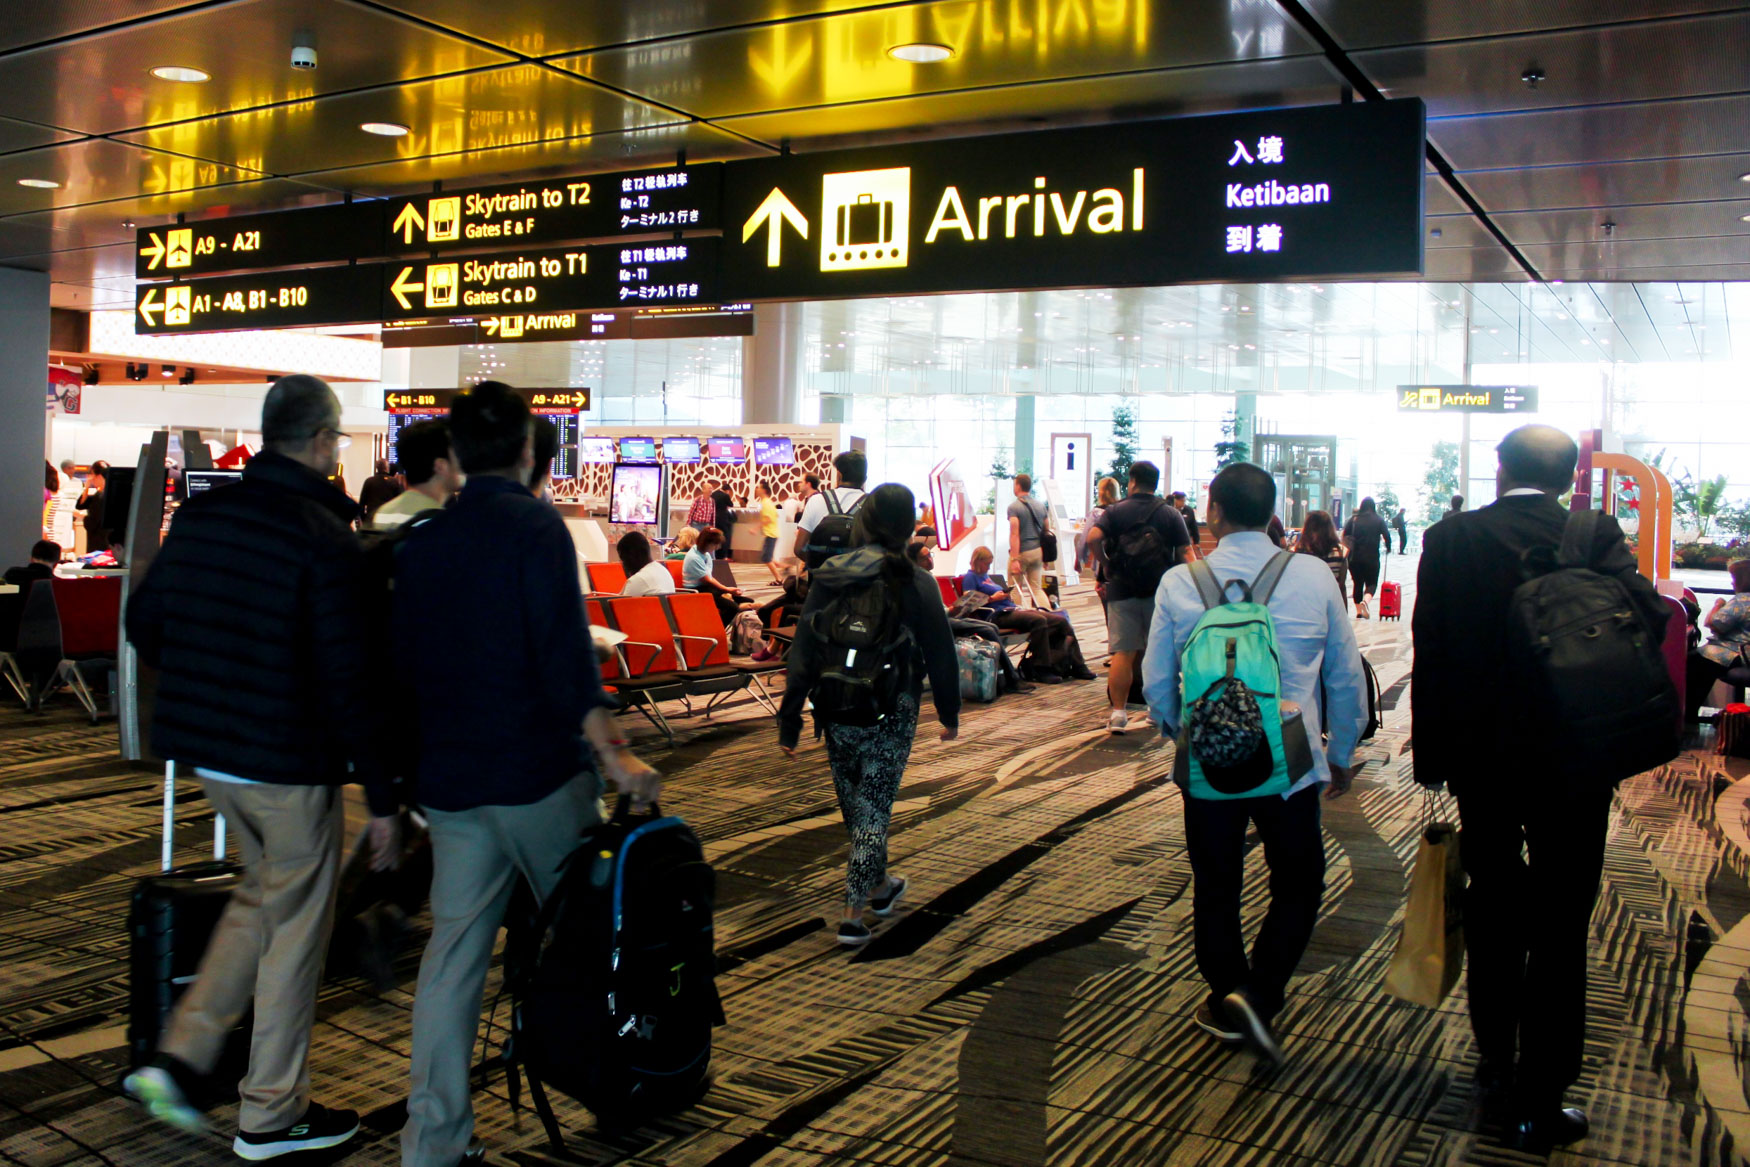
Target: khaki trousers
[[477, 855], [268, 947], [1033, 567]]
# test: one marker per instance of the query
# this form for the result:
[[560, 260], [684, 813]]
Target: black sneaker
[[1254, 1030], [884, 905], [319, 1129], [854, 933], [1217, 1025]]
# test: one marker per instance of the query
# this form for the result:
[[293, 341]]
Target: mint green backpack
[[1238, 737]]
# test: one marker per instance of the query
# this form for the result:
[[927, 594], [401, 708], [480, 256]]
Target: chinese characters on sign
[[1246, 237], [640, 205], [637, 282]]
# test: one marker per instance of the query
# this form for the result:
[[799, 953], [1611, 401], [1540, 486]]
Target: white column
[[24, 373], [771, 367]]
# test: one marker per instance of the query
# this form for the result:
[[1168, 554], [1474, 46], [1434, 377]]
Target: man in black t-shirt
[[1189, 514], [1131, 579], [724, 502]]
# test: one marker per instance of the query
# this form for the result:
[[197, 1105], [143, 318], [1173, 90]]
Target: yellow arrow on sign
[[406, 221], [150, 305], [490, 324], [783, 68], [154, 252], [580, 399], [776, 210], [401, 287]]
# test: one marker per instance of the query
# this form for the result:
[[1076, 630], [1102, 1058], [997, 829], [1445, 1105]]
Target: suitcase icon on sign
[[867, 215]]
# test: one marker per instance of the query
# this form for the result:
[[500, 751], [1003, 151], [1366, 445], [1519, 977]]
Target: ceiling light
[[385, 129], [1744, 178], [1744, 218], [181, 73], [920, 53], [40, 183]]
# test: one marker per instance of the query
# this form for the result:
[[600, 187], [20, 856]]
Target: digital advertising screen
[[726, 449], [595, 451], [680, 449], [635, 493], [774, 452], [637, 449]]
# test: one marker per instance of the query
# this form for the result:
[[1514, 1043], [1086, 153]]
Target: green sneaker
[[154, 1087]]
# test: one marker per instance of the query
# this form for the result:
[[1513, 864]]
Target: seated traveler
[[644, 577], [1052, 653], [696, 574], [682, 544], [1729, 621], [43, 557]]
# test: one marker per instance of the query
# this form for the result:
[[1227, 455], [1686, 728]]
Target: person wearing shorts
[[1130, 603], [768, 511]]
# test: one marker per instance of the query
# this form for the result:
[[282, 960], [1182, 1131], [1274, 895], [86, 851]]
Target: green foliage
[[1439, 481], [1734, 519], [1387, 498], [999, 474], [1233, 446], [1123, 445]]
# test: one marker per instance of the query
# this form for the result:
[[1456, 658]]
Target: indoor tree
[[1123, 445], [1233, 446], [1440, 480]]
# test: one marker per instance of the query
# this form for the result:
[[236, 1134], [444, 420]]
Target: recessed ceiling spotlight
[[1744, 218], [385, 129], [1744, 177], [181, 73], [40, 183], [920, 53]]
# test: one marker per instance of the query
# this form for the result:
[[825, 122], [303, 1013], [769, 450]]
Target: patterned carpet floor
[[1029, 1004]]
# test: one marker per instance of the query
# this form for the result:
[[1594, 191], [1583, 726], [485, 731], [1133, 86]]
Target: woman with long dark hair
[[1318, 538], [868, 760]]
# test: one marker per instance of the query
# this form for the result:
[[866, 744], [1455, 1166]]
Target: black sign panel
[[661, 324], [535, 285], [1467, 398], [587, 206], [247, 242], [279, 299], [1327, 191], [436, 402], [534, 292]]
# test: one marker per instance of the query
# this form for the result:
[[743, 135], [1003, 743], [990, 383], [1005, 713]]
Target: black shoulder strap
[[1578, 538], [832, 502]]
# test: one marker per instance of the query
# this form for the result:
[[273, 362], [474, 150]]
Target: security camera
[[304, 51]]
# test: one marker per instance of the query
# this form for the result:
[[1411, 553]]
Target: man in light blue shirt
[[1315, 640]]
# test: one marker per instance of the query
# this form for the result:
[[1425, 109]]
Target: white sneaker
[[1118, 721]]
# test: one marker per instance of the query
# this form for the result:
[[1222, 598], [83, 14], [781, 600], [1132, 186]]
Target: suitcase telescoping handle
[[164, 853]]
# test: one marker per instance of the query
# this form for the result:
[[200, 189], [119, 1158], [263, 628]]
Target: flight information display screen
[[565, 461], [595, 451], [680, 449], [726, 449]]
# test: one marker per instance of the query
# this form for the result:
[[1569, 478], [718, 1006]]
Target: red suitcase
[[1391, 601]]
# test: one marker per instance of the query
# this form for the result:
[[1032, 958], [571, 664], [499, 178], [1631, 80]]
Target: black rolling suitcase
[[170, 919]]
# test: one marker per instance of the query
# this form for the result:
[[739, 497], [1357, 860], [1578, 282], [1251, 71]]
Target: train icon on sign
[[444, 220], [865, 219]]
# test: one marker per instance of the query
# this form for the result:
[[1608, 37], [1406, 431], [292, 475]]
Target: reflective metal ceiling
[[1622, 162]]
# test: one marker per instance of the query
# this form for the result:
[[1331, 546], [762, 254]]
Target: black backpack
[[1592, 681], [612, 982], [1140, 555], [832, 536], [867, 653]]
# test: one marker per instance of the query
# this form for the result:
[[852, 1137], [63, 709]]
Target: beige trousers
[[268, 947], [1033, 567]]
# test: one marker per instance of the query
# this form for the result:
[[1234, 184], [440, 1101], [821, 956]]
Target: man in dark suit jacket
[[1526, 921]]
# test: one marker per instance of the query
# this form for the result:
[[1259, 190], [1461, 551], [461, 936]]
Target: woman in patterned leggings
[[868, 761]]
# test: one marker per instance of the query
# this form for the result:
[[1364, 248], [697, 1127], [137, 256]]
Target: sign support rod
[[1464, 419]]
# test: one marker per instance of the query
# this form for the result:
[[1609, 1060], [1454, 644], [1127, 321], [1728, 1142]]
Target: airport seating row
[[50, 636], [676, 649]]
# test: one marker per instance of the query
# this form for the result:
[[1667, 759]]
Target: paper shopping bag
[[1431, 949]]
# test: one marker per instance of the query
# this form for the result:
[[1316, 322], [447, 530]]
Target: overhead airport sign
[[549, 402], [523, 291], [1467, 398], [247, 242], [590, 206], [593, 206], [1328, 191]]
